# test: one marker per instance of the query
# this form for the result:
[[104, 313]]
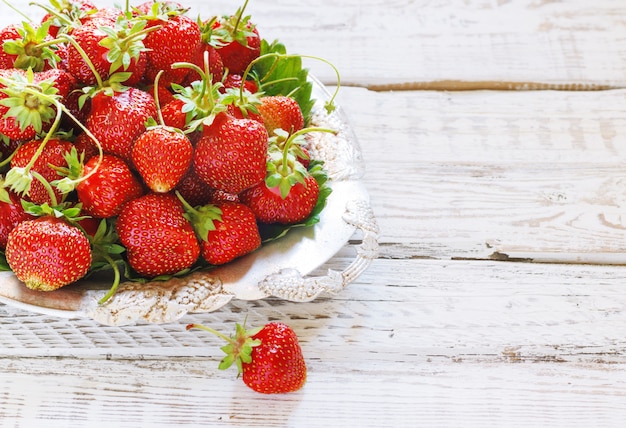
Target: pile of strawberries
[[148, 142]]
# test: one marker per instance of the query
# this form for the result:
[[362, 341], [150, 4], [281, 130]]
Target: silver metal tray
[[279, 268]]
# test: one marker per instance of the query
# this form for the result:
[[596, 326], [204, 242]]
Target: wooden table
[[494, 134]]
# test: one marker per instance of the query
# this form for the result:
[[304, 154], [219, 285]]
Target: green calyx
[[201, 98], [124, 41], [284, 170], [31, 50], [238, 348], [30, 103], [66, 210], [234, 28], [242, 99], [202, 218], [162, 11]]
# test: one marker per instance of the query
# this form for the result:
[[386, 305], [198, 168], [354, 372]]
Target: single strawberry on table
[[269, 358]]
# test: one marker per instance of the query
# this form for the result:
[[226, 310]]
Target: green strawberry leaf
[[284, 76], [4, 266]]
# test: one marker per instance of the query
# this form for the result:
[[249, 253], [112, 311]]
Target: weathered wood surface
[[453, 325]]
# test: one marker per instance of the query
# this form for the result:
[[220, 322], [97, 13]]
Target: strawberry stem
[[85, 57], [18, 11], [53, 198], [116, 279], [239, 16], [291, 139], [329, 105], [210, 330]]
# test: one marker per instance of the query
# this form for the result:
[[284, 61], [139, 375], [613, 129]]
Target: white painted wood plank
[[475, 311], [536, 174], [521, 44], [129, 394]]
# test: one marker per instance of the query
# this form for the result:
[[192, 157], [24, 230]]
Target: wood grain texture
[[453, 325], [441, 44], [490, 174]]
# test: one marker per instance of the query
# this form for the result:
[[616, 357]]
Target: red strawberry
[[173, 114], [237, 41], [234, 81], [85, 146], [89, 38], [193, 190], [269, 358], [11, 214], [158, 238], [270, 207], [164, 94], [111, 48], [162, 156], [52, 156], [117, 120], [72, 11], [48, 253], [177, 31], [21, 48], [8, 33], [231, 155], [110, 184], [228, 230], [216, 67], [282, 112]]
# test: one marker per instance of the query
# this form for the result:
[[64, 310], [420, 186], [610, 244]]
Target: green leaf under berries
[[271, 232], [284, 75], [4, 266]]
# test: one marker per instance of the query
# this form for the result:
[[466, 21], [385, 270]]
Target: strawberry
[[282, 112], [8, 33], [162, 155], [270, 358], [23, 113], [107, 186], [11, 214], [158, 238], [237, 41], [177, 30], [194, 190], [117, 120], [216, 67], [21, 47], [228, 230], [270, 207], [231, 154], [88, 37], [52, 157], [114, 47], [85, 146], [48, 253], [71, 13], [290, 192], [173, 114], [234, 81]]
